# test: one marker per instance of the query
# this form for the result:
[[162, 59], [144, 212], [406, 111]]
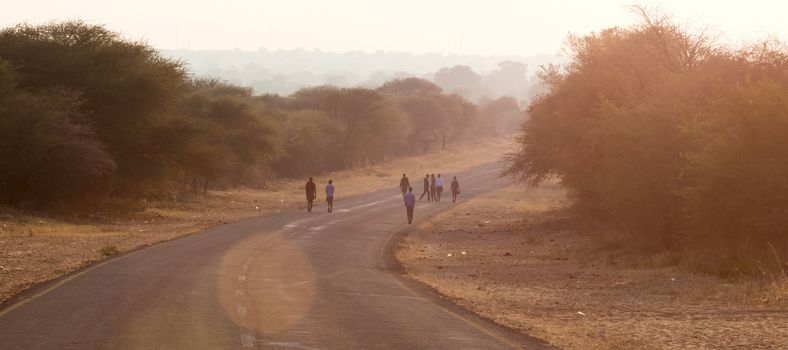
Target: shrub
[[673, 139], [109, 250]]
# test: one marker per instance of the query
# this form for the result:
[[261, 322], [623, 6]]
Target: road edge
[[43, 287], [393, 266], [40, 288]]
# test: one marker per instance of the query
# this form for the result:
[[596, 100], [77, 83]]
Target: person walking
[[432, 187], [439, 186], [410, 204], [455, 189], [311, 194], [426, 189], [330, 195], [404, 184]]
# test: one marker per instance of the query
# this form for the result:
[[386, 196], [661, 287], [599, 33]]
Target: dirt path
[[35, 248], [511, 257]]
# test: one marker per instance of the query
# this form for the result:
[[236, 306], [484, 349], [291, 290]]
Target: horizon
[[504, 28], [264, 49]]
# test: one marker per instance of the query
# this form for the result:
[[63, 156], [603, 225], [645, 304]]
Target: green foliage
[[222, 134], [366, 126], [678, 141], [501, 116], [409, 87], [309, 142], [400, 117], [47, 149], [125, 87], [735, 187], [433, 116]]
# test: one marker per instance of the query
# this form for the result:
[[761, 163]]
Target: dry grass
[[35, 248], [520, 260], [25, 225], [777, 287]]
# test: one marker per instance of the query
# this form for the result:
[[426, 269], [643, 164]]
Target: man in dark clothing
[[311, 193], [432, 187], [426, 189], [455, 189], [404, 184]]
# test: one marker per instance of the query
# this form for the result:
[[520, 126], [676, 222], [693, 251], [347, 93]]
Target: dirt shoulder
[[35, 248], [516, 258]]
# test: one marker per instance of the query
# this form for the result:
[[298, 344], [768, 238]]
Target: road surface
[[285, 281]]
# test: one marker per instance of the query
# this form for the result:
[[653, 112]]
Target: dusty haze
[[462, 27]]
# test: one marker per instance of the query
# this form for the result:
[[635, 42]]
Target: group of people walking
[[433, 189], [311, 194]]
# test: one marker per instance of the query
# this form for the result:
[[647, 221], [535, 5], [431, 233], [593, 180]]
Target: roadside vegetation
[[92, 123], [672, 140]]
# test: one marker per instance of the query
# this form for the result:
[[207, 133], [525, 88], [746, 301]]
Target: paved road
[[287, 281]]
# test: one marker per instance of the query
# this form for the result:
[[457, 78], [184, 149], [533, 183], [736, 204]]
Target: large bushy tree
[[126, 87], [676, 140], [48, 150]]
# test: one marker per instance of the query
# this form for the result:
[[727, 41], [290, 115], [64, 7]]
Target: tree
[[429, 118], [370, 125], [409, 87], [222, 135], [309, 143], [510, 79], [461, 80], [48, 151], [462, 119], [502, 115], [383, 131], [731, 186], [126, 87], [611, 126], [323, 98]]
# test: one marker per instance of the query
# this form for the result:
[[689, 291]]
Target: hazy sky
[[487, 27]]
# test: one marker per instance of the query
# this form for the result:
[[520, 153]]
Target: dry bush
[[673, 140]]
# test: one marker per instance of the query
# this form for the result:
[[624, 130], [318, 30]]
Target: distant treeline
[[286, 71], [676, 140], [86, 114]]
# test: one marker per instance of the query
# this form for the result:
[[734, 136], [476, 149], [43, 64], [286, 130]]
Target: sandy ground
[[35, 248], [515, 257]]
